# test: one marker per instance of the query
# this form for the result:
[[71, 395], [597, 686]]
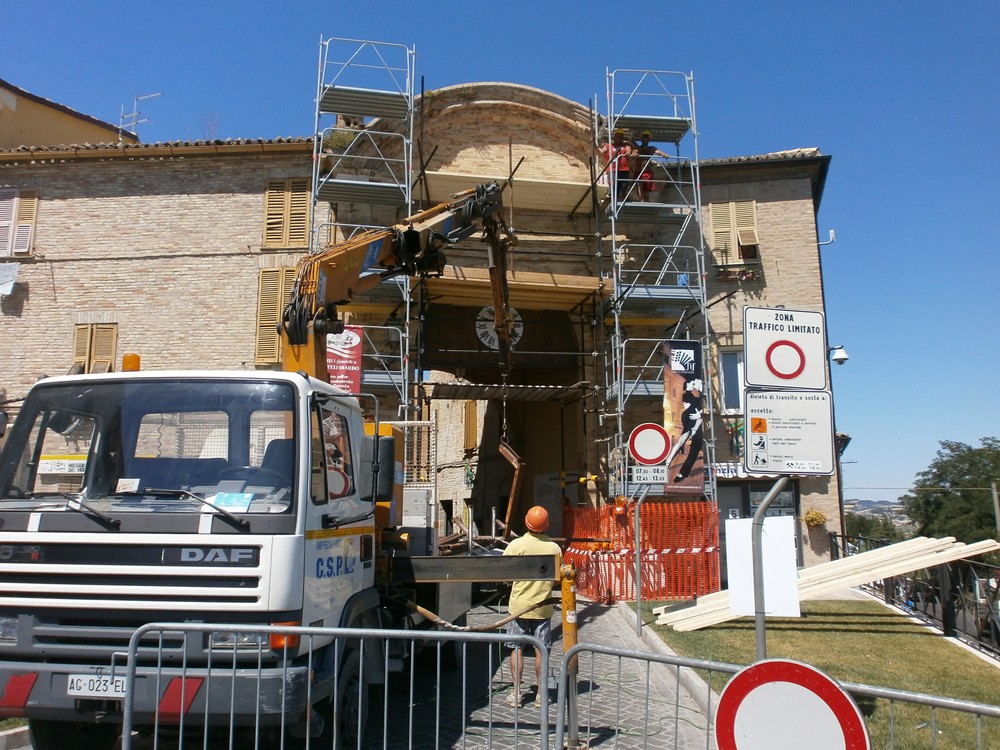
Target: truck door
[[337, 520]]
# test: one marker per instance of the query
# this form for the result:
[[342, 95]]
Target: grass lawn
[[865, 642]]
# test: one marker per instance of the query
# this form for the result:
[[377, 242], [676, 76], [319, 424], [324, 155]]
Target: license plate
[[96, 686]]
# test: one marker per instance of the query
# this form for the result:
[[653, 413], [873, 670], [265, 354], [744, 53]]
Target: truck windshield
[[153, 444]]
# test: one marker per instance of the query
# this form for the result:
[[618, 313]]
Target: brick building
[[183, 253]]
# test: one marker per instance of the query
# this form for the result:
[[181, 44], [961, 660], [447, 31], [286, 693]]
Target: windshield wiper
[[241, 522], [75, 503]]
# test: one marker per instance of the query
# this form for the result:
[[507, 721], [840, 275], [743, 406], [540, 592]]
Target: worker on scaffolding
[[531, 602], [644, 152], [617, 157]]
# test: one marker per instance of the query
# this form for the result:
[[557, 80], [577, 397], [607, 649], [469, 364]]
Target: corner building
[[185, 252]]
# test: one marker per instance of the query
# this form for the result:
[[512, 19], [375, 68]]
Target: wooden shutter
[[274, 213], [722, 228], [471, 425], [745, 219], [274, 288], [81, 349], [104, 342], [286, 213], [8, 198], [298, 213], [24, 225]]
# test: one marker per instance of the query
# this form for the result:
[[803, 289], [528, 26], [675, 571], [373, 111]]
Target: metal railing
[[454, 694]]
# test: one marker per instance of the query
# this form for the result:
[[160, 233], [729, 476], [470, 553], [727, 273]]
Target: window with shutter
[[734, 235], [18, 209], [471, 425], [94, 348], [274, 289], [286, 213]]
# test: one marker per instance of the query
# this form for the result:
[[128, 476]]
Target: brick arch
[[483, 137]]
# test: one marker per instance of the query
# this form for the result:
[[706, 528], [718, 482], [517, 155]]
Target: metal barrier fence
[[962, 597], [450, 693], [666, 707], [455, 694]]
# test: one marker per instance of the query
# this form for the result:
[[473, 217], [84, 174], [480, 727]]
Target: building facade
[[185, 253]]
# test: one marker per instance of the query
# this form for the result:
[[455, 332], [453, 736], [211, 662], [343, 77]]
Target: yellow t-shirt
[[525, 593]]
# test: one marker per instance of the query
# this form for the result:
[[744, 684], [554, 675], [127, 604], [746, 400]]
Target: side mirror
[[377, 487], [3, 423]]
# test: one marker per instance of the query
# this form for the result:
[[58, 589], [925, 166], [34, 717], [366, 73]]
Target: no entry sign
[[649, 444], [778, 704], [784, 348]]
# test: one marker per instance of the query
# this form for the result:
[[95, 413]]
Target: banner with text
[[343, 359]]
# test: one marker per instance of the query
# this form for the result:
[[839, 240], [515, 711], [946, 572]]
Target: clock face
[[485, 327]]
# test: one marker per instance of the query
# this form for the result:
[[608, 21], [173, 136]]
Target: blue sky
[[904, 96]]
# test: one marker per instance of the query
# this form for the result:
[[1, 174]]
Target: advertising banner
[[343, 359], [683, 404]]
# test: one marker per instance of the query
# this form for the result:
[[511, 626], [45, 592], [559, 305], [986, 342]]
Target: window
[[17, 220], [734, 232], [274, 288], [731, 366], [332, 460], [94, 348], [286, 213]]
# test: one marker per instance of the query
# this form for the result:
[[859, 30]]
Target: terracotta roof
[[792, 154], [138, 150], [811, 157]]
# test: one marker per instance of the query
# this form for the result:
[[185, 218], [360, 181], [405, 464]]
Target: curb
[[15, 739], [695, 686]]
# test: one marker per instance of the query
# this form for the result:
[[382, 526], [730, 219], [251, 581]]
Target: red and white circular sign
[[649, 444], [785, 359], [779, 704]]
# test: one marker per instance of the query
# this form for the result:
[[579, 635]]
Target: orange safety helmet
[[537, 519]]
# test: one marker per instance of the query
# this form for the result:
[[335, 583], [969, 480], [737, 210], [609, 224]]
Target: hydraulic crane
[[341, 271]]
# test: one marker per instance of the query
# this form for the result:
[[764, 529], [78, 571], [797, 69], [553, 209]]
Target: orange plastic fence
[[678, 551]]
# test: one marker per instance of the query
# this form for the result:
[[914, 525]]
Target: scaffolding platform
[[653, 213], [661, 129], [342, 190], [348, 100]]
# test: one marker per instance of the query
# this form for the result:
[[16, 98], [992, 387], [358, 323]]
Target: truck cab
[[199, 497]]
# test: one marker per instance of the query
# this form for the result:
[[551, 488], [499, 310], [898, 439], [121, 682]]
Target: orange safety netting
[[678, 551]]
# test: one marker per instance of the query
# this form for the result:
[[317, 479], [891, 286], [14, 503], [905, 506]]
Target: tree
[[872, 527], [952, 496]]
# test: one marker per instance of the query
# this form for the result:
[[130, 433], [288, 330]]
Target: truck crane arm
[[413, 247]]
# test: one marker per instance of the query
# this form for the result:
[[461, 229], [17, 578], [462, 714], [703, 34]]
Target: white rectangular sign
[[781, 582], [789, 432], [649, 474], [784, 348]]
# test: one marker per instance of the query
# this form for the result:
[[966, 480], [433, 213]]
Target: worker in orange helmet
[[529, 600]]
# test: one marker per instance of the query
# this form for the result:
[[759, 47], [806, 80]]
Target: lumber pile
[[886, 562]]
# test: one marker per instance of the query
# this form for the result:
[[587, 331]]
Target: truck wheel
[[347, 709], [57, 735]]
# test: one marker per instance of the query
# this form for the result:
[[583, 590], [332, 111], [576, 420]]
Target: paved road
[[623, 702]]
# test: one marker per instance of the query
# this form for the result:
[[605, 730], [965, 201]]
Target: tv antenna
[[129, 121]]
